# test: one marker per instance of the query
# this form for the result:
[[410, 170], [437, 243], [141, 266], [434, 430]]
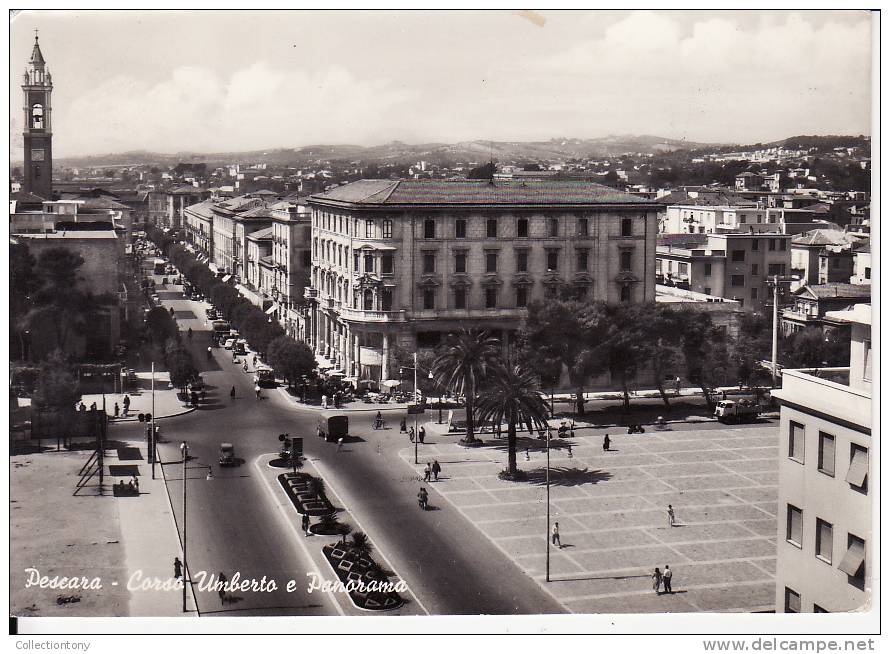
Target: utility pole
[[775, 326], [151, 441]]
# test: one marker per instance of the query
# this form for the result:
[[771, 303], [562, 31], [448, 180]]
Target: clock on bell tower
[[38, 135]]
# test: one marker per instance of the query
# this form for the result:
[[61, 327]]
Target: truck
[[730, 411]]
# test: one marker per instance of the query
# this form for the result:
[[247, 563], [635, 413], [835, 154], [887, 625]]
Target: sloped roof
[[257, 212], [203, 209], [822, 237], [835, 290], [707, 199], [261, 234], [26, 197], [103, 203], [468, 192]]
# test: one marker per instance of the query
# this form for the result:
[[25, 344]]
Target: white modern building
[[825, 557]]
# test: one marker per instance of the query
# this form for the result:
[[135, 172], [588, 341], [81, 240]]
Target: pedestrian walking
[[339, 443], [411, 434], [657, 578], [93, 407], [126, 404], [436, 470], [421, 434], [677, 382], [427, 472], [554, 535], [254, 360], [257, 391], [607, 443], [81, 407], [403, 426], [222, 579], [666, 578], [177, 568], [232, 393], [306, 523], [117, 410], [527, 457], [324, 401], [135, 483], [672, 520]]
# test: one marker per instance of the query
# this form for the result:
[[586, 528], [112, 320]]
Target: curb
[[176, 526], [169, 415], [312, 407]]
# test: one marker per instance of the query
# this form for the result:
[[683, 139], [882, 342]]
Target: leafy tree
[[179, 363], [461, 366], [812, 348], [511, 396], [57, 388], [291, 359], [160, 326], [571, 332], [483, 172]]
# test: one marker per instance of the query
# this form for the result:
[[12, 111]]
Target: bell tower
[[38, 136]]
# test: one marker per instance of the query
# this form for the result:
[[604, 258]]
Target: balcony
[[362, 315], [310, 293]]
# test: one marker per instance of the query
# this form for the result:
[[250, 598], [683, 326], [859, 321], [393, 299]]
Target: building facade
[[698, 219], [812, 306], [731, 266], [37, 88], [396, 265], [824, 527]]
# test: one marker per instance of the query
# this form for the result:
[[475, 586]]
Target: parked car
[[730, 411], [211, 314], [229, 343], [240, 346]]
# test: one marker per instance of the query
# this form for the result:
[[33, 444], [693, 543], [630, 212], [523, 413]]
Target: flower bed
[[302, 489], [367, 585]]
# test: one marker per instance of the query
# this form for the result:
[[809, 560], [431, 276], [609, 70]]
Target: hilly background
[[444, 153]]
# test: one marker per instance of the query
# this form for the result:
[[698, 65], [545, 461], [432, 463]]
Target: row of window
[[492, 296], [582, 261], [857, 471], [493, 228]]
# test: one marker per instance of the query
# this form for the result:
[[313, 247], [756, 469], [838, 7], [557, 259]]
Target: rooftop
[[467, 192], [822, 237], [835, 290]]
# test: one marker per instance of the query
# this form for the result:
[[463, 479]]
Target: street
[[232, 526]]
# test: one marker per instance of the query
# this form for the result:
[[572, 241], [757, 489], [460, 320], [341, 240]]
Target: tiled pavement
[[612, 513]]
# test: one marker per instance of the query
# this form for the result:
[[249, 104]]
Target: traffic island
[[367, 585], [307, 494]]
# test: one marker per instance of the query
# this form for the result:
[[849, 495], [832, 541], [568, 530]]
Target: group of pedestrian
[[421, 435], [660, 579], [431, 471]]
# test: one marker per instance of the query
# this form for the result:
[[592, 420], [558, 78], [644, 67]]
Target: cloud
[[254, 107]]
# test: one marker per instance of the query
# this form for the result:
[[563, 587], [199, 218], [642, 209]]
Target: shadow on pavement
[[566, 476]]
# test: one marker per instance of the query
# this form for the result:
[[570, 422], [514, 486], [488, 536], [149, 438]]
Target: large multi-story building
[[824, 529], [703, 219], [813, 305], [397, 264], [731, 266], [292, 263]]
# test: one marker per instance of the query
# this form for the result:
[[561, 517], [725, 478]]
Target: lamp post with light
[[184, 448]]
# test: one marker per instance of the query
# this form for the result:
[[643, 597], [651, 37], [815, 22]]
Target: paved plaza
[[612, 514]]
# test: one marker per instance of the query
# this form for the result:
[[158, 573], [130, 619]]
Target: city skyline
[[308, 72]]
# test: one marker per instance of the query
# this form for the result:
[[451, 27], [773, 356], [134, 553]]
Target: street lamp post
[[416, 433], [774, 282], [152, 443], [184, 448], [547, 533]]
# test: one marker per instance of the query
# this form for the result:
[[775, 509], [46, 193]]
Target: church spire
[[37, 59]]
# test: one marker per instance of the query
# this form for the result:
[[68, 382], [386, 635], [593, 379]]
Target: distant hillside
[[397, 152]]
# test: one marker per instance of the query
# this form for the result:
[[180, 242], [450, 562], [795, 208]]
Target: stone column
[[358, 357], [347, 360], [384, 364]]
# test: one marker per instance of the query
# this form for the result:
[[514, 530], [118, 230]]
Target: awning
[[853, 559], [323, 364], [213, 267], [858, 468], [272, 309], [390, 383], [336, 373], [226, 278]]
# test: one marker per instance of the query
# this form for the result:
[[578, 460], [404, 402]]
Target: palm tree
[[511, 396], [461, 366]]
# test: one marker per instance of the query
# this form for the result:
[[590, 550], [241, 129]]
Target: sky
[[216, 81]]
